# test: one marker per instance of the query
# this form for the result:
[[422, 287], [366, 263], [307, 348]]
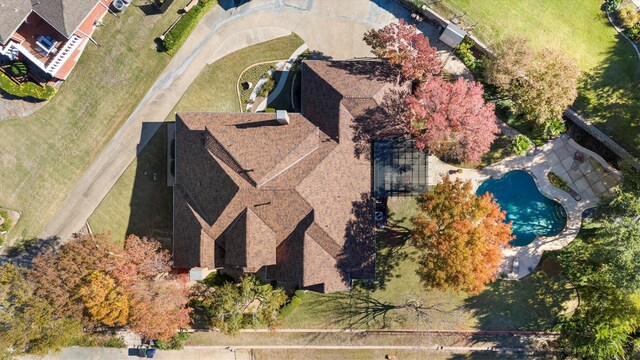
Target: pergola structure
[[399, 168]]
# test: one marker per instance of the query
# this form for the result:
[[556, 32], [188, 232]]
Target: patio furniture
[[46, 43], [515, 266]]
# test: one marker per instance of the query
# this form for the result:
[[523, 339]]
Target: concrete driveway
[[332, 27]]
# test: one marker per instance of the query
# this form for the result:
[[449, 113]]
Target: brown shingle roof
[[252, 194]]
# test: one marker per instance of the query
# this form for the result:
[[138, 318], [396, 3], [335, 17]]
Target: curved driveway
[[334, 28]]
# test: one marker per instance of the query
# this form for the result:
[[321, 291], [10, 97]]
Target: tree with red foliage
[[403, 45], [158, 300], [141, 258], [451, 119], [159, 307], [459, 236]]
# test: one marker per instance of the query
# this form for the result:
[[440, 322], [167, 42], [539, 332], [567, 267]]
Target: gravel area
[[11, 107]]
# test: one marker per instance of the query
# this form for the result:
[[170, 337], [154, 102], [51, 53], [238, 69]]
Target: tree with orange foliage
[[104, 300], [460, 237], [402, 44]]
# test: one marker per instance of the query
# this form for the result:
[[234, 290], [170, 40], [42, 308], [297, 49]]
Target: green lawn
[[215, 87], [141, 204], [532, 303], [44, 154], [610, 87]]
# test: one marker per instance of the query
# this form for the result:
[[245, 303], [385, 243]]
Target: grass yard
[[609, 93], [142, 205], [215, 87], [140, 202], [44, 154], [532, 303]]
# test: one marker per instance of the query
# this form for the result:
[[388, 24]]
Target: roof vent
[[282, 117]]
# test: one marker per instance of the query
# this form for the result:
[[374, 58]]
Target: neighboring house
[[49, 35], [285, 197]]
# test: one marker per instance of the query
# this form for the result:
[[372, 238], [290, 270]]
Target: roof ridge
[[307, 146], [324, 240], [215, 148]]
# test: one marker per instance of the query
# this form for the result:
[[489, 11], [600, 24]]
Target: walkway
[[334, 28]]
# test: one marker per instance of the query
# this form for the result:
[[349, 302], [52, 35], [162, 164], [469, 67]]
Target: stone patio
[[589, 175]]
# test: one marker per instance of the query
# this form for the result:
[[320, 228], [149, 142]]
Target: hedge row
[[180, 32], [26, 89], [292, 305]]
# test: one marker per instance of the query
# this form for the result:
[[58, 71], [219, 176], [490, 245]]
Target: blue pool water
[[530, 212]]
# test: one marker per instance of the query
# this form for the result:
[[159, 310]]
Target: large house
[[48, 34], [284, 196]]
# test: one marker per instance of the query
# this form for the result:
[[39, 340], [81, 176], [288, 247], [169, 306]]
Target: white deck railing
[[63, 54]]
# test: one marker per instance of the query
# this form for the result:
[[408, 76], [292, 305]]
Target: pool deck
[[591, 178]]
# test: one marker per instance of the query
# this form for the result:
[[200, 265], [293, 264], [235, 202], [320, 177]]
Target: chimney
[[282, 117]]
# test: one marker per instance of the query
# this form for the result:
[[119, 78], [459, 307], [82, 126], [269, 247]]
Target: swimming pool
[[531, 213]]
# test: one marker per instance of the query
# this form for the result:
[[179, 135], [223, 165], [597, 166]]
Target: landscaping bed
[[558, 182], [25, 89], [253, 76]]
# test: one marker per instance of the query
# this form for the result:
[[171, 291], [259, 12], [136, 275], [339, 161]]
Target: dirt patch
[[13, 107]]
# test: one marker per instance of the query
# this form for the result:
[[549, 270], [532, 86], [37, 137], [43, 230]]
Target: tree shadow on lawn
[[610, 95], [23, 252], [533, 303], [359, 309], [391, 252]]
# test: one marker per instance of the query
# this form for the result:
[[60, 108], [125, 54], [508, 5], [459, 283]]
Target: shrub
[[6, 223], [464, 53], [628, 16], [292, 305], [611, 5], [181, 31], [175, 343], [634, 32], [554, 127], [99, 340], [521, 144], [18, 69], [266, 87], [216, 279], [270, 110], [26, 89]]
